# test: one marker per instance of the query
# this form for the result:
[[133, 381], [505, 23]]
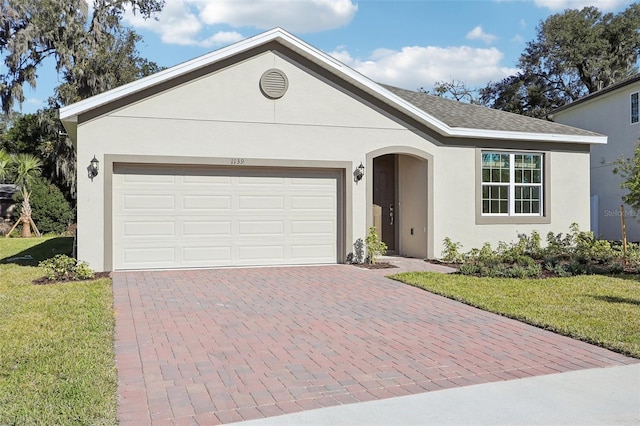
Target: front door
[[384, 195]]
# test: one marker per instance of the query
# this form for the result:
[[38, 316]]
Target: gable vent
[[274, 83]]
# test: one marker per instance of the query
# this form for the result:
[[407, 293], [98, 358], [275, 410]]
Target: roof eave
[[527, 136]]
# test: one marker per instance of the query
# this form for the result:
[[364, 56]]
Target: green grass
[[56, 343], [31, 251], [597, 309]]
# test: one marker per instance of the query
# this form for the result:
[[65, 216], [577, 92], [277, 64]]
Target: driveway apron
[[225, 345]]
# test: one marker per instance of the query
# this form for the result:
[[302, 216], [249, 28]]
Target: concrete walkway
[[220, 346]]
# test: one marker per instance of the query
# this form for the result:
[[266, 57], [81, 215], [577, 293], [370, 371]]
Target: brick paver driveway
[[217, 346]]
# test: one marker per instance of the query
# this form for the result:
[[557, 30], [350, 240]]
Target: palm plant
[[5, 162], [24, 169]]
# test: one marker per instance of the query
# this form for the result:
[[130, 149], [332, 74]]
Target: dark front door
[[384, 195]]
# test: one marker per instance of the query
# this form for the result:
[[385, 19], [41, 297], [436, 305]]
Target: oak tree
[[575, 53]]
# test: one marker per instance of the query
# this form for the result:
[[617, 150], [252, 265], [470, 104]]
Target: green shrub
[[51, 212], [532, 270], [574, 253], [469, 268], [557, 268], [375, 247], [451, 252], [62, 267]]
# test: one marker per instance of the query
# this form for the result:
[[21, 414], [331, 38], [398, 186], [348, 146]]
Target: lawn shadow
[[616, 299], [43, 251]]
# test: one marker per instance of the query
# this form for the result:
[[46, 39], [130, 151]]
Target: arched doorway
[[400, 193]]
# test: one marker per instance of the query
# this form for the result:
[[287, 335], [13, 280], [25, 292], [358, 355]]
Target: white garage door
[[189, 217]]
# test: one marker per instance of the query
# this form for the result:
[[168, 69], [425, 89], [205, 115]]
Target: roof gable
[[448, 118]]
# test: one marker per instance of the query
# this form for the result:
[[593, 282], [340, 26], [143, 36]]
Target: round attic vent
[[274, 83]]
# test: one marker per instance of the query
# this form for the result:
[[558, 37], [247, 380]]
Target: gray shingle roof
[[462, 115]]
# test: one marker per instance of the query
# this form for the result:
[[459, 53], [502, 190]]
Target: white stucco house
[[613, 112], [271, 152]]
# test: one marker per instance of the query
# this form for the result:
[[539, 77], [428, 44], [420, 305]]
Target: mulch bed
[[46, 281], [377, 265]]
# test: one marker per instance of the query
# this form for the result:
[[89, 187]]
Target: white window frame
[[512, 185], [635, 118]]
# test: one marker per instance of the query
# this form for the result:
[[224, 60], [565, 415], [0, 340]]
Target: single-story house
[[271, 152], [613, 112]]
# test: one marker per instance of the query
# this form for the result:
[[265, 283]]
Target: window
[[634, 108], [512, 184]]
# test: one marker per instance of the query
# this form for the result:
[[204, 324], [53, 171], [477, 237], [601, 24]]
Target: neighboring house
[[250, 155], [613, 112], [7, 205]]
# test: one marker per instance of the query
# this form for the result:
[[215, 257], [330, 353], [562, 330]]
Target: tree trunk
[[26, 217]]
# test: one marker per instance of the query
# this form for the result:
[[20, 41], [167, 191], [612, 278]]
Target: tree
[[24, 169], [43, 136], [92, 52], [575, 53], [454, 89], [49, 209], [81, 42], [629, 170], [5, 161]]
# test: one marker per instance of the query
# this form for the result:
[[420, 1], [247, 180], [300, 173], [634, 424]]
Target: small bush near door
[[574, 253], [375, 247]]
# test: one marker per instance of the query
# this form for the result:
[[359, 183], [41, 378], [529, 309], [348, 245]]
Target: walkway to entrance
[[218, 346]]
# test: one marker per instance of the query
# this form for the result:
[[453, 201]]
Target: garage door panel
[[257, 202], [180, 217], [260, 228], [261, 181], [195, 228], [148, 202], [205, 255], [310, 252], [149, 256], [313, 227], [206, 202], [147, 179], [149, 229], [257, 253], [313, 203], [206, 180]]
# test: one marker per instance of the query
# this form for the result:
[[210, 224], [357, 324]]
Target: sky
[[406, 43]]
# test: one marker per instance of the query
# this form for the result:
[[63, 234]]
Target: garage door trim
[[344, 225]]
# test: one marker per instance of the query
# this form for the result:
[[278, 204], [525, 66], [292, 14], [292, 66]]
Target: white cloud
[[293, 15], [176, 24], [34, 101], [606, 5], [222, 38], [187, 22], [421, 66], [478, 34]]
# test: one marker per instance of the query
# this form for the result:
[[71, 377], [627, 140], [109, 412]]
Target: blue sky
[[410, 44]]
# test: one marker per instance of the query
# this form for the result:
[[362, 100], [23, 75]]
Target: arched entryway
[[400, 201]]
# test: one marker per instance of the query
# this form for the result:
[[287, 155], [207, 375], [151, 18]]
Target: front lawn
[[56, 342], [598, 309]]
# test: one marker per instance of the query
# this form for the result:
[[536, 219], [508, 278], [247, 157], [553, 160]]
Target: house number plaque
[[237, 161]]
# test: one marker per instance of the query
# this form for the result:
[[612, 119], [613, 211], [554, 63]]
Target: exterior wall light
[[93, 168], [358, 173]]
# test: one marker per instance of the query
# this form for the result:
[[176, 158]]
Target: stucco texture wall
[[224, 115]]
